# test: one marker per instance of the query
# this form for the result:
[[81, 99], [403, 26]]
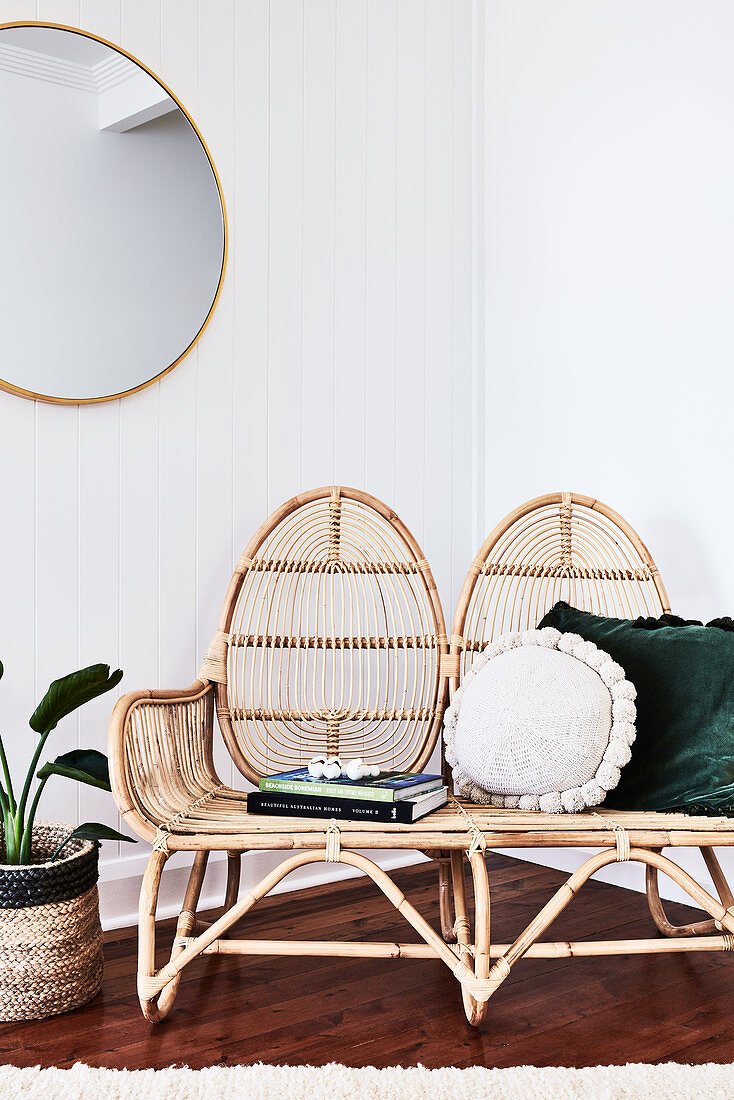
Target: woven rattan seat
[[223, 822], [332, 638]]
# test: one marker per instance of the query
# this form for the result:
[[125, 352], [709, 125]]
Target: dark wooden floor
[[361, 1012]]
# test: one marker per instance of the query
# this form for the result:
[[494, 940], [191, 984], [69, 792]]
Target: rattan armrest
[[160, 749]]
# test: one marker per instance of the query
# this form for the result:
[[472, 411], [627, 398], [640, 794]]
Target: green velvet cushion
[[683, 757]]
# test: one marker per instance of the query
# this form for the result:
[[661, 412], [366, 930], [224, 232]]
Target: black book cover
[[350, 809]]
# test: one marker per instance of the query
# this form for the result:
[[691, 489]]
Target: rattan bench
[[332, 638]]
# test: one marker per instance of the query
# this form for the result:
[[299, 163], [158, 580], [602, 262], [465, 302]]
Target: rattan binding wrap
[[50, 953]]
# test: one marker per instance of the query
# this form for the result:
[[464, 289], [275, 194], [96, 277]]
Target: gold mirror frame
[[18, 390]]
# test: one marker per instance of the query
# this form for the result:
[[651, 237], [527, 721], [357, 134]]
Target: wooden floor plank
[[401, 1012]]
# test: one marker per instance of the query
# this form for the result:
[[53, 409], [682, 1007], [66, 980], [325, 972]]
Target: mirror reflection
[[112, 231]]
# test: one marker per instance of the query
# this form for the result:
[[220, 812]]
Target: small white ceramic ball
[[332, 768], [354, 770]]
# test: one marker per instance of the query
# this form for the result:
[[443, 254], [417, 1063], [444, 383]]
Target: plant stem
[[63, 844], [8, 780], [11, 847], [27, 785], [25, 846], [11, 844]]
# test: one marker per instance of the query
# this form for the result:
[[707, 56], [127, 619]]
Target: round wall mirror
[[112, 220]]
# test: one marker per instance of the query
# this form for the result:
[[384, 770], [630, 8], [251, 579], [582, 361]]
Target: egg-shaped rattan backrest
[[331, 640], [562, 546]]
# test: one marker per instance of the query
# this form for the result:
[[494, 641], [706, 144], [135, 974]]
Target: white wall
[[344, 347], [609, 169], [341, 350], [115, 237]]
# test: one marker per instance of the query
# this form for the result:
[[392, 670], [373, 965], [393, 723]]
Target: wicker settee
[[332, 637]]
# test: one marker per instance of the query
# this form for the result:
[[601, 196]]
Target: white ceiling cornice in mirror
[[127, 96], [89, 76]]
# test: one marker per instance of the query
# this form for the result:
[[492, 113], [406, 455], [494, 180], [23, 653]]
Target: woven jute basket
[[50, 935]]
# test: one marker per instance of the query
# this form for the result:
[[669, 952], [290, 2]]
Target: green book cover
[[386, 788]]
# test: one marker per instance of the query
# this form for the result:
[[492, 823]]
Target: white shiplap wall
[[609, 230], [341, 350]]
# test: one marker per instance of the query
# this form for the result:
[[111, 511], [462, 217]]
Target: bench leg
[[185, 925], [698, 928], [469, 959], [722, 917], [461, 928], [445, 897], [146, 933], [475, 954], [234, 865], [157, 990], [157, 1007]]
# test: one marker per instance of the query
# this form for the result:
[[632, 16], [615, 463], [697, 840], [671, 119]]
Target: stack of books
[[400, 797]]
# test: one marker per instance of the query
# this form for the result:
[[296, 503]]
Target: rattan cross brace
[[465, 959]]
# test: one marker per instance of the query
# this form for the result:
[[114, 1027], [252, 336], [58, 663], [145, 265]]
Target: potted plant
[[50, 933]]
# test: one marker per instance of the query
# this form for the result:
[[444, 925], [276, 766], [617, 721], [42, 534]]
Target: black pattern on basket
[[42, 882]]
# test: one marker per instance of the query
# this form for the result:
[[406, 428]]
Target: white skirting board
[[120, 879]]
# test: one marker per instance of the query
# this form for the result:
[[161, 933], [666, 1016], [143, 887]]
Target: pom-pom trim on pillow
[[621, 733]]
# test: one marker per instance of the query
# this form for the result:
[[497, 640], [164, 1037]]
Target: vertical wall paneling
[[139, 540], [60, 11], [15, 10], [178, 498], [380, 322], [249, 211], [99, 547], [350, 243], [17, 580], [317, 306], [410, 268], [285, 261], [18, 631], [350, 338], [139, 464], [180, 49], [57, 572], [467, 414], [605, 125], [216, 350], [141, 31], [340, 350], [473, 103], [436, 455], [177, 525], [102, 17], [99, 528]]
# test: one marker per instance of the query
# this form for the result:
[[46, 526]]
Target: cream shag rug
[[259, 1082]]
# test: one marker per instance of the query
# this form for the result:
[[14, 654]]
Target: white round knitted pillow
[[543, 721]]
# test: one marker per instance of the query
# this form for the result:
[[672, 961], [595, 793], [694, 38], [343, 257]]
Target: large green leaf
[[84, 765], [93, 830], [70, 692]]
